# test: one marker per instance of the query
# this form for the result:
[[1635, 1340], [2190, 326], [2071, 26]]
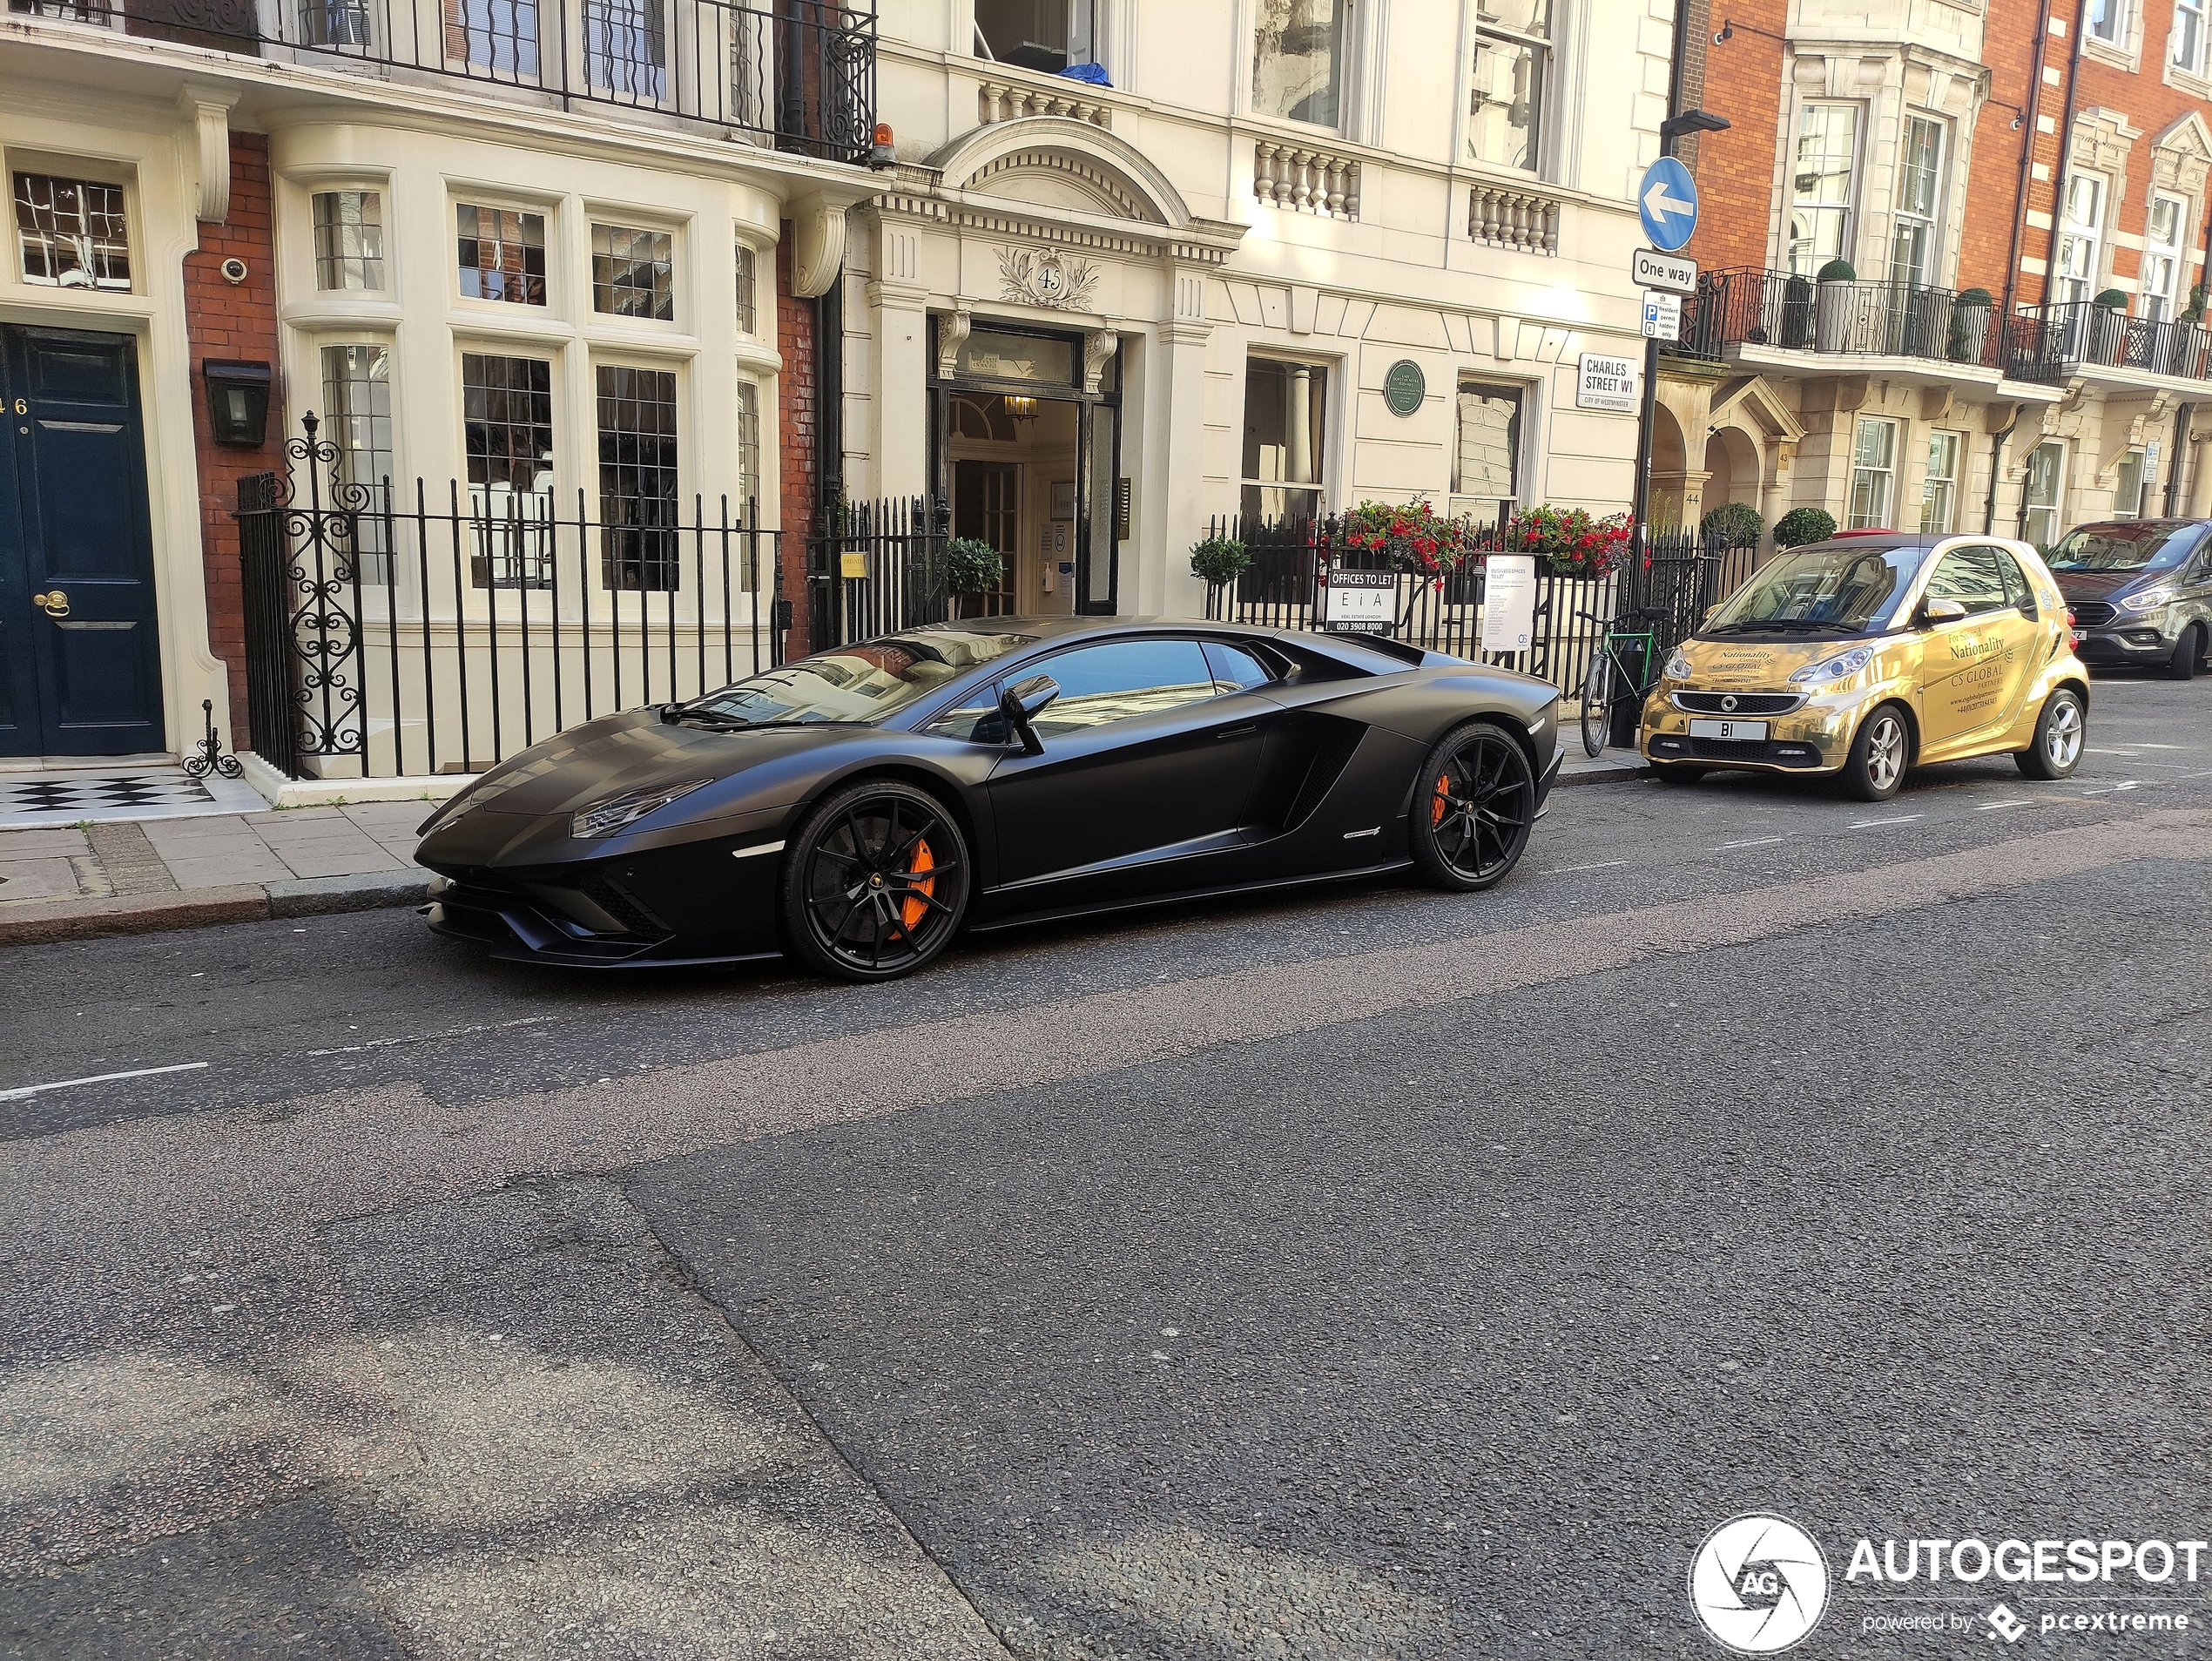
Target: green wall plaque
[[1404, 387]]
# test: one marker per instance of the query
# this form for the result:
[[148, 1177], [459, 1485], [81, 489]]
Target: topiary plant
[[1976, 297], [1218, 560], [2111, 300], [1837, 271], [973, 567], [2194, 312], [1802, 525], [1733, 525]]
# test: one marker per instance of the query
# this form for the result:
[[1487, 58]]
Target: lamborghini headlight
[[612, 813]]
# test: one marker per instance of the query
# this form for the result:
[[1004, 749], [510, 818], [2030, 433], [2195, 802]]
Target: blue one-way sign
[[1668, 201]]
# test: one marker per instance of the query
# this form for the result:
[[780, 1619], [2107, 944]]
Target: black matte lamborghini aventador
[[858, 808]]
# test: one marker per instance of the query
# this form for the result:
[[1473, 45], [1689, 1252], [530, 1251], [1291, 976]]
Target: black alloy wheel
[[1474, 806], [874, 882]]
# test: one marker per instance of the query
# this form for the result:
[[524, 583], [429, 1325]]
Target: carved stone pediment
[[2181, 155]]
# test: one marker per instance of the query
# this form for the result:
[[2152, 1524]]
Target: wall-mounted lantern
[[237, 402]]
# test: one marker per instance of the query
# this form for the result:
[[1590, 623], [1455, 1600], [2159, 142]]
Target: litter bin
[[1628, 713]]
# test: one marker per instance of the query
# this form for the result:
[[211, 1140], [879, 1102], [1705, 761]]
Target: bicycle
[[1609, 664]]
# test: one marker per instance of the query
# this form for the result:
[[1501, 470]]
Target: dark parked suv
[[2141, 591]]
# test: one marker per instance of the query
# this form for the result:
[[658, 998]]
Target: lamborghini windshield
[[1830, 589], [853, 683]]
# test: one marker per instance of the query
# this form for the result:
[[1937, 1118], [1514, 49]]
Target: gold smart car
[[1866, 655]]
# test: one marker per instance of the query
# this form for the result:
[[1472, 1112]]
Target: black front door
[[986, 505], [80, 662]]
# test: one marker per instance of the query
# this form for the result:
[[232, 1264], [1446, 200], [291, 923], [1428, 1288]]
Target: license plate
[[1736, 730]]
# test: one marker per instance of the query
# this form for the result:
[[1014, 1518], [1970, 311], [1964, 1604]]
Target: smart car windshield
[[858, 683], [2123, 547], [1834, 588]]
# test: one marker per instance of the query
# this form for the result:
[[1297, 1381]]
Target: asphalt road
[[1368, 1273]]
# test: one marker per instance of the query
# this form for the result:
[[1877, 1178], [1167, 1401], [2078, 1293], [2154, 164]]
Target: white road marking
[[1876, 824], [99, 1078], [1602, 864], [432, 1037], [1758, 842], [1991, 807]]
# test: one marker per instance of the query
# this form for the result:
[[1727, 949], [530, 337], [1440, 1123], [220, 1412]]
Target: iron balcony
[[798, 75]]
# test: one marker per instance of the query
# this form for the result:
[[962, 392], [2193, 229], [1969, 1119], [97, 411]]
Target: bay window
[[1824, 187], [1873, 473]]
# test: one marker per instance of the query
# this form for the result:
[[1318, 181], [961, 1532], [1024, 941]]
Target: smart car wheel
[[2060, 732], [874, 882], [2187, 651], [1876, 765], [1677, 772], [1472, 817]]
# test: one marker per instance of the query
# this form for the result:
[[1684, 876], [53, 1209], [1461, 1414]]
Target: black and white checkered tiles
[[99, 794]]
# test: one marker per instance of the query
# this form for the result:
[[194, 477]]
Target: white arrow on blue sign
[[1668, 201]]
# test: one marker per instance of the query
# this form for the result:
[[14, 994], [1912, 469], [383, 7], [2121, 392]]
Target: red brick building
[[1951, 258]]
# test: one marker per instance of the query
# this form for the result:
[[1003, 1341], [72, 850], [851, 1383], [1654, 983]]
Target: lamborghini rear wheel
[[1472, 809], [874, 882]]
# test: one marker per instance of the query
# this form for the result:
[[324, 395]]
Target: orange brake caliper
[[911, 910], [1443, 799]]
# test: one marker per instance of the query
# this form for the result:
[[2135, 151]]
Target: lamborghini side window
[[1118, 680], [1235, 669]]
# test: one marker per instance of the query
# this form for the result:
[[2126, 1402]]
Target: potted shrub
[[1802, 525], [1831, 326], [971, 568], [1570, 540], [1733, 525], [1797, 313], [1218, 562], [1970, 325]]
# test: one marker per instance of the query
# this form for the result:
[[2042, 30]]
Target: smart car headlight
[[1841, 666], [2147, 599], [1678, 665], [612, 813]]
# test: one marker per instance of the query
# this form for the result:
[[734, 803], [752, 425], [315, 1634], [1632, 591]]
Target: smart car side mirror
[[1021, 702], [1933, 611]]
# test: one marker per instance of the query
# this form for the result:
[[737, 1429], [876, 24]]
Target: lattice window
[[502, 254], [637, 490], [72, 232], [357, 419], [507, 406], [632, 273], [748, 307], [349, 239]]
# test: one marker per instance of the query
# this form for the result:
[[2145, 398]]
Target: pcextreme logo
[[1758, 1584]]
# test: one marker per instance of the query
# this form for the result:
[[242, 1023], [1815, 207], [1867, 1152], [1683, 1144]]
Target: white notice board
[[1509, 602]]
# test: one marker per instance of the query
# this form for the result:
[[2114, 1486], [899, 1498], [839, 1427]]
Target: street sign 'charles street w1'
[[1668, 201]]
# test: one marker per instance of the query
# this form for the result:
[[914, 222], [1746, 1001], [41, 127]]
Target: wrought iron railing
[[797, 74], [1750, 307], [2079, 332], [874, 568], [390, 634], [1684, 573]]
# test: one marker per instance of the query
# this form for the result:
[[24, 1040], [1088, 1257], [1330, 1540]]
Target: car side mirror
[[1933, 611], [1021, 702], [1709, 610]]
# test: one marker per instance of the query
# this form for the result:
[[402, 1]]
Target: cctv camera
[[233, 270]]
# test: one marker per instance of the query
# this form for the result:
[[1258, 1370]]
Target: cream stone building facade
[[1143, 266]]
